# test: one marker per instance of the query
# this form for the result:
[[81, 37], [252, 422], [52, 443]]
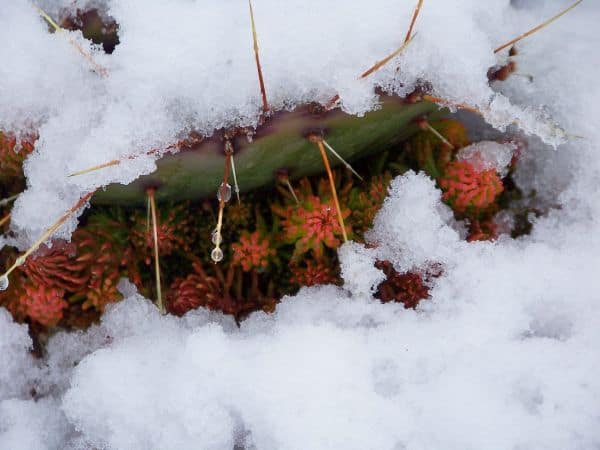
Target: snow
[[14, 343], [504, 354], [486, 155], [188, 65], [399, 227]]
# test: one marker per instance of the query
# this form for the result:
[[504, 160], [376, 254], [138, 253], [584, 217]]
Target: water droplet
[[224, 192], [217, 255], [20, 260], [3, 283], [216, 237]]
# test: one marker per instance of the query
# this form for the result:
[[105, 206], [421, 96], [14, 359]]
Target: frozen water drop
[[3, 283], [20, 260], [217, 255], [216, 237], [224, 192]]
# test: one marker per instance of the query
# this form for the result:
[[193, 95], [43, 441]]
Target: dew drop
[[3, 283], [224, 192], [217, 255], [20, 260], [216, 237]]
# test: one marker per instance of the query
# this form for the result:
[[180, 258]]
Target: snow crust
[[505, 353], [188, 65]]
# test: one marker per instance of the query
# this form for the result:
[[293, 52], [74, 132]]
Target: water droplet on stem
[[224, 192], [3, 283], [217, 255]]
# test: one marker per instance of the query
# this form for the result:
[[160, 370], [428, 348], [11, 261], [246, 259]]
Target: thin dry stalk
[[100, 70], [538, 28], [21, 259], [413, 20], [159, 301], [257, 58], [321, 148]]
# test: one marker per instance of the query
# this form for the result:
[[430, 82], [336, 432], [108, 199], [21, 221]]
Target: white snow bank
[[503, 356], [188, 65], [17, 368]]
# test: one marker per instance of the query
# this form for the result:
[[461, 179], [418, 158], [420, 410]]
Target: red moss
[[484, 230], [501, 73], [252, 251], [12, 155], [173, 232], [313, 273], [201, 290], [366, 203], [102, 290], [57, 266], [313, 225], [43, 304], [105, 259], [193, 291], [408, 288], [237, 214], [467, 190]]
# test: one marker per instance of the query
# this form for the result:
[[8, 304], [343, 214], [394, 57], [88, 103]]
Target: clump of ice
[[186, 65], [399, 229], [488, 155]]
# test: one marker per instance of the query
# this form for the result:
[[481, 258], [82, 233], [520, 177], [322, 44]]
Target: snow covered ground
[[504, 355]]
